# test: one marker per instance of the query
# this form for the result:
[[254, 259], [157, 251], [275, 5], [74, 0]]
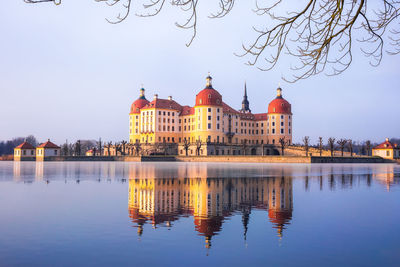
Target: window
[[209, 109], [282, 131], [209, 126], [217, 109], [289, 123], [388, 153], [173, 128], [289, 131], [281, 117], [168, 113], [281, 123], [209, 118], [273, 123], [217, 126], [173, 121], [273, 131]]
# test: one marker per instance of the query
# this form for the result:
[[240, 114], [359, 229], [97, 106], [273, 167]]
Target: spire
[[245, 102]]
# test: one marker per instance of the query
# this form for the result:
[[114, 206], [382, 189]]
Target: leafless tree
[[306, 141], [137, 147], [320, 145], [123, 146], [350, 145], [109, 144], [186, 145], [342, 143], [244, 146], [331, 144], [198, 147], [283, 142], [319, 34], [368, 146], [99, 144]]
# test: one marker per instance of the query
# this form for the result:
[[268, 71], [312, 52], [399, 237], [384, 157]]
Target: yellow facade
[[161, 201], [164, 120], [387, 150]]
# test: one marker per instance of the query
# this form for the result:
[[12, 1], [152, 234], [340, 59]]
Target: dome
[[208, 96], [139, 103], [279, 105]]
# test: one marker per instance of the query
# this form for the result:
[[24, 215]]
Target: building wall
[[23, 153], [47, 152], [208, 123], [386, 153]]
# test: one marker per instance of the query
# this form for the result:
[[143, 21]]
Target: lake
[[196, 214]]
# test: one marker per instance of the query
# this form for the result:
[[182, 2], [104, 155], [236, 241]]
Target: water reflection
[[211, 201], [160, 194]]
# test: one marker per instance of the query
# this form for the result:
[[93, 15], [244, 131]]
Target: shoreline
[[236, 159]]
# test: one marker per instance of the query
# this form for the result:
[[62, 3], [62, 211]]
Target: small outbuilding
[[24, 152], [387, 150], [47, 149]]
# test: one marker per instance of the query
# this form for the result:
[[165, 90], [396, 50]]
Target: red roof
[[186, 110], [227, 109], [279, 105], [386, 145], [164, 104], [208, 226], [48, 144], [260, 116], [25, 145], [208, 97], [138, 104]]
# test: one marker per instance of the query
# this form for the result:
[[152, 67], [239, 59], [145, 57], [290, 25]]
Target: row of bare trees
[[342, 145]]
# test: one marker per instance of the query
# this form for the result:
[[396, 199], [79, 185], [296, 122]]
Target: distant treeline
[[7, 147]]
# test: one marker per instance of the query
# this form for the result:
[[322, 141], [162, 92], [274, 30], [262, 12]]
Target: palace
[[212, 127]]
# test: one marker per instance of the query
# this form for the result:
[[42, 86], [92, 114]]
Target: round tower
[[280, 119], [134, 116]]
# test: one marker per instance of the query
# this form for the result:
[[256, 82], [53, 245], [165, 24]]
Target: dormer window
[[209, 96], [201, 101]]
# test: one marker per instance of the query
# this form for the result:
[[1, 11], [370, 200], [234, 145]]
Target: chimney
[[169, 97], [155, 96]]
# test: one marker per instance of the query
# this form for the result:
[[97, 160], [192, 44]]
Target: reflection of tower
[[39, 171], [280, 203], [17, 171], [245, 219], [161, 201]]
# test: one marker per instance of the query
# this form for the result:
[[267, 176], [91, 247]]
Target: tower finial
[[279, 92], [209, 81]]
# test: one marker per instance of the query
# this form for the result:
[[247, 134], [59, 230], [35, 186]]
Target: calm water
[[163, 214]]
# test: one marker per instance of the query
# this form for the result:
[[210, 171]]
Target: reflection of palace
[[209, 200]]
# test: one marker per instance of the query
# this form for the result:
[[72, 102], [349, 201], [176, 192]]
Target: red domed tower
[[134, 116], [208, 96], [279, 119], [209, 114], [139, 103]]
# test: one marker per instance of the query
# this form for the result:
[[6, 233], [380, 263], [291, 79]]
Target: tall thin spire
[[245, 102]]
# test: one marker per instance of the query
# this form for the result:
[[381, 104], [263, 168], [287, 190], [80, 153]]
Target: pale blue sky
[[65, 73]]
